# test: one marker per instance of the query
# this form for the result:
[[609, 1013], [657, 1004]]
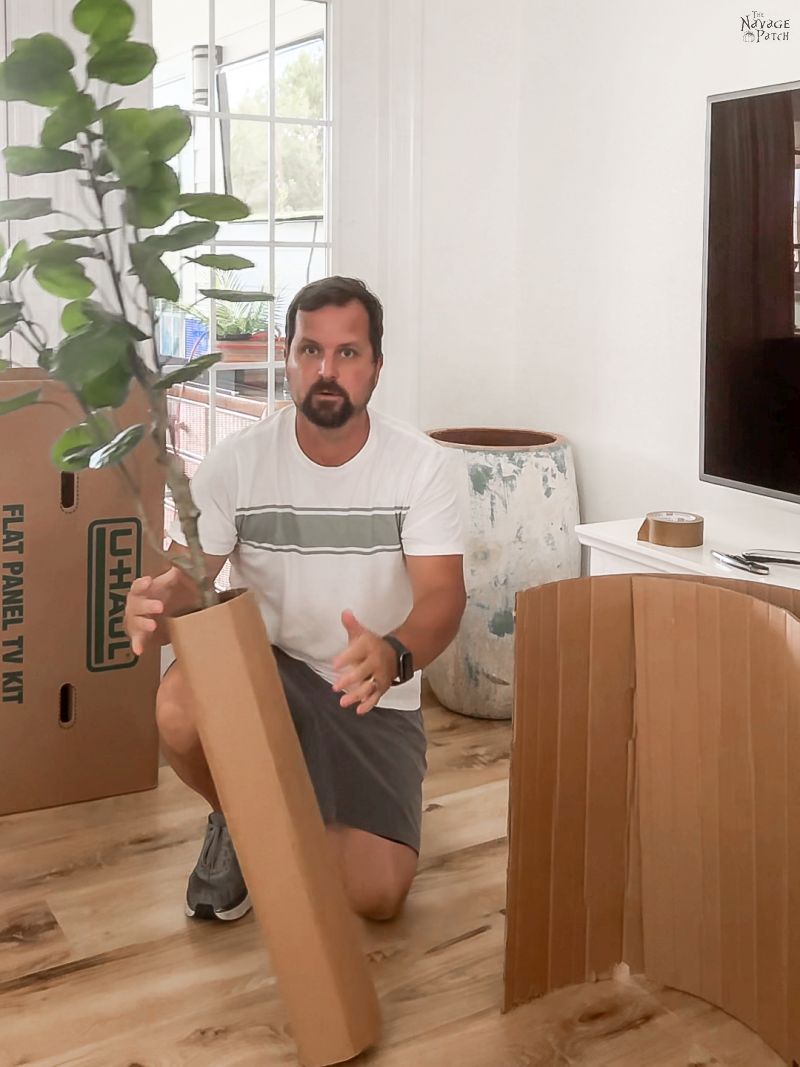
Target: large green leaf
[[109, 389], [38, 70], [216, 206], [153, 205], [126, 131], [103, 20], [26, 207], [73, 317], [122, 63], [60, 252], [154, 275], [84, 356], [133, 166], [4, 365], [226, 261], [189, 371], [100, 187], [70, 235], [122, 124], [187, 235], [27, 161], [14, 262], [170, 130], [73, 449], [68, 119], [236, 296], [20, 401], [10, 314], [101, 114], [137, 138], [117, 449], [81, 313], [67, 280]]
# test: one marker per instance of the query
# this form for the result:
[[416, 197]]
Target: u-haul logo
[[114, 558]]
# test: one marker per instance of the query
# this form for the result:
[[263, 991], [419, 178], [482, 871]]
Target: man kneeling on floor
[[347, 527]]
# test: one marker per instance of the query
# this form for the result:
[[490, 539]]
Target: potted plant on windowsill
[[109, 349], [242, 326]]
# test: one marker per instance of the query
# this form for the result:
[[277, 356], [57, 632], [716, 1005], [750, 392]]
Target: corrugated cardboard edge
[[260, 774], [551, 623]]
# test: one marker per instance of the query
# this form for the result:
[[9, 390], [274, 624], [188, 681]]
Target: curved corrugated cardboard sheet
[[655, 792]]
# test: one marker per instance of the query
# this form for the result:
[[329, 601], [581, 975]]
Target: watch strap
[[405, 666]]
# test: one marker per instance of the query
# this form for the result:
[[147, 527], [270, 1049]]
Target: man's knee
[[379, 903], [174, 713], [377, 873]]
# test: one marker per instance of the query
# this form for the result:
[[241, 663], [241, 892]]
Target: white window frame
[[215, 117]]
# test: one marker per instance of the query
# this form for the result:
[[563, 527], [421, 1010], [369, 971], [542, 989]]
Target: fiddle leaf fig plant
[[121, 157]]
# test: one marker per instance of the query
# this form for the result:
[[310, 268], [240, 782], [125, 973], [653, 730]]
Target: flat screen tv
[[750, 432]]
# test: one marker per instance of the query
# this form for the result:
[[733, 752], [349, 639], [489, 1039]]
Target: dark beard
[[325, 413]]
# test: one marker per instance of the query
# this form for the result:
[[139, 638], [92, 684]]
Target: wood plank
[[31, 938]]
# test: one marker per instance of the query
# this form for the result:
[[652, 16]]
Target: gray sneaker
[[216, 888]]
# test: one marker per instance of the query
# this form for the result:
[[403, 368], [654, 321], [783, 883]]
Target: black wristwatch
[[405, 661]]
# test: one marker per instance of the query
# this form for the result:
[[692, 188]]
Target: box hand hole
[[66, 705], [67, 491]]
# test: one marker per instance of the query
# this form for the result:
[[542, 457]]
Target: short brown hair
[[338, 291]]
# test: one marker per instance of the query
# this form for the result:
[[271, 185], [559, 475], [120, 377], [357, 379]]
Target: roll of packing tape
[[676, 529]]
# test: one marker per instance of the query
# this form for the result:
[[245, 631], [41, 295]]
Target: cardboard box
[[655, 793], [269, 803], [77, 717]]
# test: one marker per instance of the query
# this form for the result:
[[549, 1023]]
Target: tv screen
[[750, 435]]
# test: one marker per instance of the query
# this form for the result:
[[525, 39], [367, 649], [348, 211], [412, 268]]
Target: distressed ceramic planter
[[523, 508]]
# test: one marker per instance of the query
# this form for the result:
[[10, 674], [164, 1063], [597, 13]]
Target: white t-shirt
[[310, 541]]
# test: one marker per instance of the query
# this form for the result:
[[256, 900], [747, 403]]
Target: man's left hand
[[366, 667]]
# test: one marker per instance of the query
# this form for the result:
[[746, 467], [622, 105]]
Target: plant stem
[[178, 483], [176, 479]]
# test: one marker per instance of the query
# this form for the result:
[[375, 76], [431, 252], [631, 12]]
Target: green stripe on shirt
[[307, 531]]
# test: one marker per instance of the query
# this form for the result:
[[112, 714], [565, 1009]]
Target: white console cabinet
[[613, 548]]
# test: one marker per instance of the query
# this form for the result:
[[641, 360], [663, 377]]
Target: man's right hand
[[149, 601]]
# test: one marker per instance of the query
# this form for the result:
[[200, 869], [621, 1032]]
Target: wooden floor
[[99, 967]]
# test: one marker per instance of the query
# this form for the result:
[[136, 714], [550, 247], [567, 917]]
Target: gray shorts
[[367, 770]]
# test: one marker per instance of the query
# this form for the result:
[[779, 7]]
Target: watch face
[[405, 662], [406, 669]]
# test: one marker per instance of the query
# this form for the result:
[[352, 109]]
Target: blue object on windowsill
[[195, 336]]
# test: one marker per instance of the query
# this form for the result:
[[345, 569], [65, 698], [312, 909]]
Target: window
[[253, 76]]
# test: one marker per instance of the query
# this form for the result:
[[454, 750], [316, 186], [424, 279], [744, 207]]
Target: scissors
[[741, 562], [768, 555]]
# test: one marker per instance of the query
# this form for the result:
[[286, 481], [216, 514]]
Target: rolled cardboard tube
[[266, 794]]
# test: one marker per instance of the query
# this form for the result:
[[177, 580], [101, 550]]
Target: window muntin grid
[[214, 82]]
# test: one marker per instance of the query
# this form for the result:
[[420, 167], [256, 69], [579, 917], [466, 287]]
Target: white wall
[[426, 102], [523, 184], [610, 267]]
